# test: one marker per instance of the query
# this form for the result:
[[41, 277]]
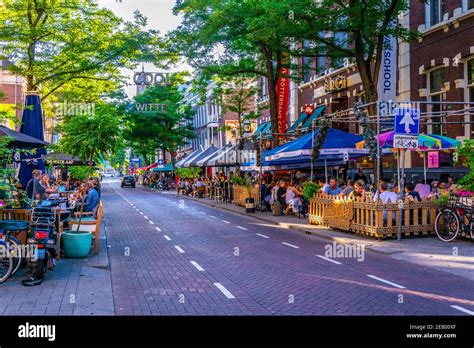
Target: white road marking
[[198, 267], [151, 222], [212, 216], [146, 217], [291, 245], [158, 229], [141, 213], [137, 209], [328, 259], [262, 235], [227, 222], [179, 249], [242, 228], [386, 281], [467, 311], [226, 292], [166, 237]]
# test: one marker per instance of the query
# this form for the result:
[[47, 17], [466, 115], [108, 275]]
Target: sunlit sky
[[160, 17]]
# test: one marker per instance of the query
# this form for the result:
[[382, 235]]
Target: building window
[[321, 64], [436, 83], [437, 80], [470, 4], [437, 10]]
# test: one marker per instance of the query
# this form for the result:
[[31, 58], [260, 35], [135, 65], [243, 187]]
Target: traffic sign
[[160, 162], [407, 128]]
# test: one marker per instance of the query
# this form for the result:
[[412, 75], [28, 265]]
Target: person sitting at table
[[358, 194], [200, 187], [423, 190], [385, 195], [33, 183], [411, 194], [92, 198], [44, 182], [332, 189]]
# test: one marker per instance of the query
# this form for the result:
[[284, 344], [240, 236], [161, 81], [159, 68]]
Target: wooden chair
[[91, 224]]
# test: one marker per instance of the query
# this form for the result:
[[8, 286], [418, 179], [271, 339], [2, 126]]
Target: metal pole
[[312, 147], [424, 165], [261, 174], [326, 170], [378, 148], [401, 193], [398, 169]]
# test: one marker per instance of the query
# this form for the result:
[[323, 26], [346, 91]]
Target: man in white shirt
[[385, 195]]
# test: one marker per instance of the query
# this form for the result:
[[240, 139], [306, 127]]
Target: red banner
[[283, 94]]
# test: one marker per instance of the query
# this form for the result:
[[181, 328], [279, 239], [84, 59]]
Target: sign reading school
[[407, 128]]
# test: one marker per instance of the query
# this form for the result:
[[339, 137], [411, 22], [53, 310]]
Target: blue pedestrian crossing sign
[[407, 128], [160, 162]]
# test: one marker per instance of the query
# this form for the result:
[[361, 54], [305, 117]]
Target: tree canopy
[[53, 43], [158, 119]]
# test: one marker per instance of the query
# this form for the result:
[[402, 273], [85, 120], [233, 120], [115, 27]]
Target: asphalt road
[[172, 256]]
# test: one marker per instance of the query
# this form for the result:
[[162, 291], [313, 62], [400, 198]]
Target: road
[[173, 256]]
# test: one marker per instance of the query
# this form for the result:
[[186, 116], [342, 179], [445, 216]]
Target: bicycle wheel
[[6, 263], [15, 253], [447, 225]]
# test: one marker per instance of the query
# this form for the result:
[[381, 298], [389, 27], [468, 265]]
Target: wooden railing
[[16, 214], [373, 218], [241, 194]]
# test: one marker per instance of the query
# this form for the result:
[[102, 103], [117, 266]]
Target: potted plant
[[309, 189], [76, 244], [247, 183]]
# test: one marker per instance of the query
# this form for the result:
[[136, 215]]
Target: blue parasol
[[32, 125]]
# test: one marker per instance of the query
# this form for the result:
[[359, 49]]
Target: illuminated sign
[[336, 84]]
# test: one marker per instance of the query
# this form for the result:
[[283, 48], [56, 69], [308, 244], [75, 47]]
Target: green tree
[[53, 43], [159, 120], [88, 136], [237, 96], [353, 29], [235, 38], [254, 36], [466, 157]]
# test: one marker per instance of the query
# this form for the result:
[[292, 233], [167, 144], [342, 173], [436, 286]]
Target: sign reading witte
[[407, 128]]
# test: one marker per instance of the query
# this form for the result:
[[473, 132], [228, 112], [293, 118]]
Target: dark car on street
[[128, 181]]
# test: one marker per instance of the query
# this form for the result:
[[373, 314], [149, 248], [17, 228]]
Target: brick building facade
[[13, 90], [442, 63]]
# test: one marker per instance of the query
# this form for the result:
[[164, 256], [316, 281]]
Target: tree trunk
[[272, 94]]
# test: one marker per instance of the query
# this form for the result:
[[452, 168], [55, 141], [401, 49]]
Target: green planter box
[[76, 244]]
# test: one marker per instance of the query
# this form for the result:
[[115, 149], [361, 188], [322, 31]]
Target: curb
[[316, 234]]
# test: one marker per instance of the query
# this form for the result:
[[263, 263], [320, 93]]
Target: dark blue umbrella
[[32, 125]]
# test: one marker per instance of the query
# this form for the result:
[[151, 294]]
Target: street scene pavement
[[165, 255]]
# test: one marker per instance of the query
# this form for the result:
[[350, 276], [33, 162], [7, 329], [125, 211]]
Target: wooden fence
[[241, 194], [373, 218]]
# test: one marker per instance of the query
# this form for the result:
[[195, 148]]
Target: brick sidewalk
[[454, 257], [75, 287]]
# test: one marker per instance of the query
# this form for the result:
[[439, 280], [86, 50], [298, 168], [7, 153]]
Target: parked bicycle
[[10, 255], [456, 216]]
